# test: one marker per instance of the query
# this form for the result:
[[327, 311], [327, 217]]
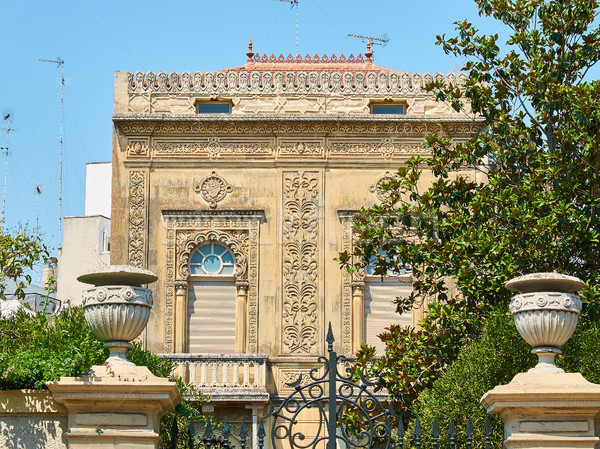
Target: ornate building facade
[[238, 187]]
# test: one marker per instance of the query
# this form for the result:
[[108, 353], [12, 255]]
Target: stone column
[[180, 337], [358, 314], [546, 407], [241, 316]]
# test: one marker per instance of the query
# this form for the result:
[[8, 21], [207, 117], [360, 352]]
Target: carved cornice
[[312, 81], [244, 125]]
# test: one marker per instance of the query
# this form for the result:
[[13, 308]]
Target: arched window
[[212, 259]]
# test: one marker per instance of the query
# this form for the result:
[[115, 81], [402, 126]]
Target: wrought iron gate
[[332, 393]]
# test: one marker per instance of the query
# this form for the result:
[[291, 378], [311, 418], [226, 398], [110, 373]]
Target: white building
[[86, 240]]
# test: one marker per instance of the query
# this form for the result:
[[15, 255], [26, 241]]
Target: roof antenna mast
[[38, 190], [7, 117], [383, 40], [61, 63], [294, 2]]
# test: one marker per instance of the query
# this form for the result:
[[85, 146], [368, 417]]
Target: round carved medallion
[[213, 189], [377, 187]]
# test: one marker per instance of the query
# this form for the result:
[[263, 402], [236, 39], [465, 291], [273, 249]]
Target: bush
[[35, 349], [494, 358]]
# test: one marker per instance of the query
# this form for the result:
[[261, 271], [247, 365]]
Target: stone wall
[[31, 419]]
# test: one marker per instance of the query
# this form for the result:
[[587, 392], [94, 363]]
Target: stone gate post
[[118, 404], [546, 407]]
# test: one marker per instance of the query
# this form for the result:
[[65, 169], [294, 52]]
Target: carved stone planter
[[546, 313], [117, 309]]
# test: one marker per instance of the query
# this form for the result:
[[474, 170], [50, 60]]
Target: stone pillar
[[118, 404], [115, 407], [546, 407], [241, 316], [180, 337], [358, 314], [546, 410]]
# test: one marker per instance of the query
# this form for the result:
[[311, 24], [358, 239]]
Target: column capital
[[181, 285]]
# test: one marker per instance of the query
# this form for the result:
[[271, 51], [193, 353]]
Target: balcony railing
[[225, 377]]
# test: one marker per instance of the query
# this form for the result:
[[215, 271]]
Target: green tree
[[19, 251], [533, 205]]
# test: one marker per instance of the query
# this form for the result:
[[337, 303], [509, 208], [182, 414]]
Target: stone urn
[[546, 313], [117, 308]]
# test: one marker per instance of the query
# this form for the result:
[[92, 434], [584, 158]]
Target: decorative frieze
[[147, 124], [385, 148], [313, 81], [300, 307], [137, 218], [302, 148], [214, 148]]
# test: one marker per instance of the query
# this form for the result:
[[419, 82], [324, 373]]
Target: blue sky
[[97, 38]]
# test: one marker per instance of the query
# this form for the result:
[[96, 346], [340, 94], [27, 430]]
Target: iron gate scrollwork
[[332, 395]]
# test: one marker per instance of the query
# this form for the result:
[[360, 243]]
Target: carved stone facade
[[275, 181]]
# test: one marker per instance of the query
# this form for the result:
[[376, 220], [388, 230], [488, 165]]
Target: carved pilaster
[[300, 262], [358, 314], [241, 315], [137, 218], [348, 347], [181, 290]]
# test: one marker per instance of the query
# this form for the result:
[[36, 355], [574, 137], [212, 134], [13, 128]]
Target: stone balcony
[[225, 377]]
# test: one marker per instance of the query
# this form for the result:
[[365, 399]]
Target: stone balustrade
[[224, 376]]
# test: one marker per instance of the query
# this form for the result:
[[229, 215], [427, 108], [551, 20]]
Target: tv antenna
[[61, 63], [294, 2], [7, 116], [383, 40], [38, 190]]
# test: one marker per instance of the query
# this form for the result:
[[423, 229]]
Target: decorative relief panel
[[213, 189], [376, 188], [137, 218], [300, 261], [214, 148], [239, 230], [304, 147], [387, 148], [291, 376], [138, 147]]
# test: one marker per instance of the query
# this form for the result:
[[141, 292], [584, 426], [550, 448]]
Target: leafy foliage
[[35, 349], [519, 196], [494, 358], [19, 251]]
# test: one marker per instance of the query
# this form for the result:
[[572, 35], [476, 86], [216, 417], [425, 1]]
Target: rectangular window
[[213, 107], [388, 108]]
